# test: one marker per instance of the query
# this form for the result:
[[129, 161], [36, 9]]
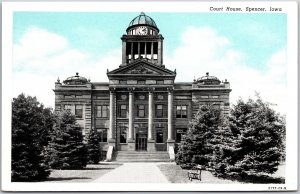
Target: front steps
[[142, 156]]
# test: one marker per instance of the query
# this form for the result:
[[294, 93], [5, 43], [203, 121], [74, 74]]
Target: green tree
[[253, 142], [66, 149], [31, 123], [94, 147], [195, 148]]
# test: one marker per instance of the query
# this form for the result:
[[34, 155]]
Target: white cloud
[[204, 50], [40, 57], [38, 42]]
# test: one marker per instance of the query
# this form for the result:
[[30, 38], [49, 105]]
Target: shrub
[[94, 147], [66, 149], [30, 125], [194, 148]]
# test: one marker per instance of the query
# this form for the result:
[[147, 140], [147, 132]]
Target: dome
[[208, 80], [75, 80], [142, 19]]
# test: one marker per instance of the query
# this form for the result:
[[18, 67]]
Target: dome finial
[[207, 73], [77, 73], [142, 13]]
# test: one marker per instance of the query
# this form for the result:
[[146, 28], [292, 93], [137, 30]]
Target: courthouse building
[[141, 108]]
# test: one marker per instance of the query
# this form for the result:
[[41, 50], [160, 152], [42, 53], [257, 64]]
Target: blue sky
[[54, 44], [258, 35]]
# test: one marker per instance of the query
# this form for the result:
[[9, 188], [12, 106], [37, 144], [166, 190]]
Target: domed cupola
[[142, 25], [142, 20], [142, 41], [208, 80], [75, 80]]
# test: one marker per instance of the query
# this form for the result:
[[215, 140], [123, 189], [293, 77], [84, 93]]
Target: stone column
[[132, 55], [111, 139], [130, 141], [170, 140], [150, 116], [124, 57], [159, 51], [130, 116], [152, 52], [151, 142], [139, 49]]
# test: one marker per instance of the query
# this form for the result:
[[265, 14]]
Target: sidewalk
[[134, 173]]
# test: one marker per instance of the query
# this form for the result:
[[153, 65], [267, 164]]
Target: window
[[159, 111], [102, 111], [181, 111], [78, 111], [68, 107], [141, 111], [179, 134], [160, 97], [123, 134], [102, 134], [123, 111], [159, 136]]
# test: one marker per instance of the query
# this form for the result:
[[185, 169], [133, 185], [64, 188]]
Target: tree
[[30, 126], [195, 148], [66, 149], [254, 143], [94, 147]]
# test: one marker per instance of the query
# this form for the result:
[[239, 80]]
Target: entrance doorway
[[141, 142]]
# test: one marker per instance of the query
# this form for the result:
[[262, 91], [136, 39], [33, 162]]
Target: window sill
[[160, 143], [123, 143]]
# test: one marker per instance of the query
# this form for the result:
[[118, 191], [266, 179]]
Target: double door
[[141, 142]]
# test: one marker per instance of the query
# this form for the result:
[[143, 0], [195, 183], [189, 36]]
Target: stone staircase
[[142, 156]]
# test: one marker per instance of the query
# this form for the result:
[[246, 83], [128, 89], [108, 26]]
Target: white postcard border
[[289, 7]]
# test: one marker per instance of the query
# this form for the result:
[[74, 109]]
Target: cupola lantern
[[142, 41]]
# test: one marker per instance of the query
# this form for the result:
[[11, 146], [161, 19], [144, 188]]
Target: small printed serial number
[[277, 188]]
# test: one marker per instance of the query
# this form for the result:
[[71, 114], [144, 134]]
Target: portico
[[137, 118]]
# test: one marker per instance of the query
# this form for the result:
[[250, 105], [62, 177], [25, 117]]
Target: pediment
[[142, 67]]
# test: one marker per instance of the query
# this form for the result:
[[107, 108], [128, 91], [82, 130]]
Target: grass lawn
[[88, 174], [175, 174]]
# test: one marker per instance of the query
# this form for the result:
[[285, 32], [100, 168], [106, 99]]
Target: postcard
[[150, 96]]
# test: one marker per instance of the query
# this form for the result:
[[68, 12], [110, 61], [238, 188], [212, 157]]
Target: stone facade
[[141, 107]]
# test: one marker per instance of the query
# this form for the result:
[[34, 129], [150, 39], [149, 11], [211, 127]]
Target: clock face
[[142, 30]]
